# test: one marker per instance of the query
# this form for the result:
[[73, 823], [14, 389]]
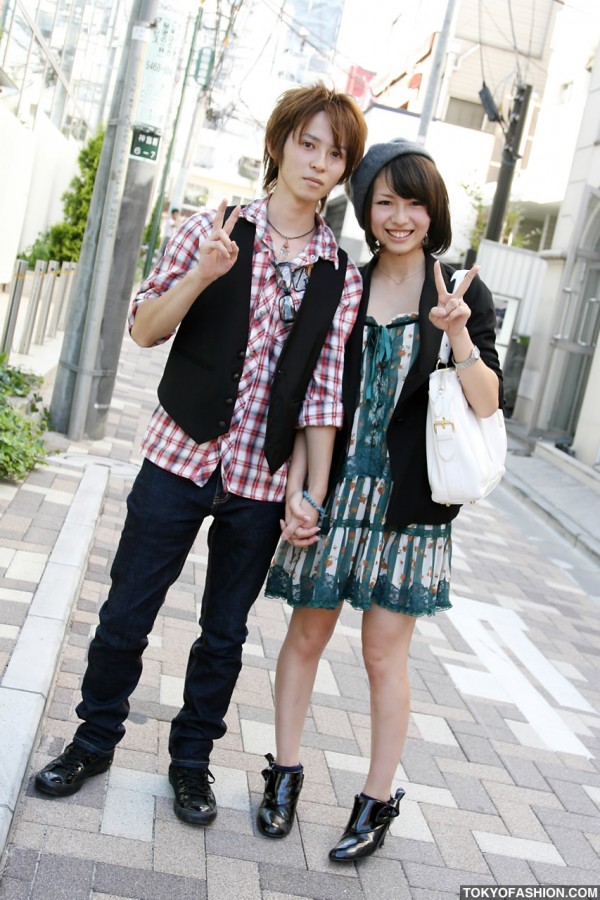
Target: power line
[[270, 37], [514, 38], [303, 33]]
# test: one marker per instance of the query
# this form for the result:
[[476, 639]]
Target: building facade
[[465, 66], [57, 63], [558, 391]]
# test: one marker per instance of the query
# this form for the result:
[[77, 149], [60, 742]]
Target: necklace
[[285, 247], [398, 283]]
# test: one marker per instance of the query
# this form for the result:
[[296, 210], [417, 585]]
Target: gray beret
[[374, 160]]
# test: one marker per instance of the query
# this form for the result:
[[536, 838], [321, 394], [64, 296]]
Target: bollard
[[48, 284], [58, 300], [16, 289], [62, 278], [40, 268], [69, 276]]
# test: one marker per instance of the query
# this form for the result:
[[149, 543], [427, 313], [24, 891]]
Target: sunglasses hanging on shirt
[[287, 278]]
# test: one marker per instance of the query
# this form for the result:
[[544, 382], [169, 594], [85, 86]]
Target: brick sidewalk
[[500, 766]]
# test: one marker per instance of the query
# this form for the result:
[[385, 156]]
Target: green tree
[[148, 229], [475, 196], [62, 241], [513, 231]]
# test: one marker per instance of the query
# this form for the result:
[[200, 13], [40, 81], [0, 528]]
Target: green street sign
[[144, 144], [204, 66]]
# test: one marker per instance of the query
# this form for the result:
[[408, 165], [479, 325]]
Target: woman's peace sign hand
[[451, 313], [218, 252]]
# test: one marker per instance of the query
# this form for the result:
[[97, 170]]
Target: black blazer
[[410, 500]]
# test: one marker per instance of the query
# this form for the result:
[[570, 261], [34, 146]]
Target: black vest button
[[222, 423], [228, 401], [241, 354], [236, 376]]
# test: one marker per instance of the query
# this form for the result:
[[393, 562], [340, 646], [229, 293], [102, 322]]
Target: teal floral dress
[[359, 559]]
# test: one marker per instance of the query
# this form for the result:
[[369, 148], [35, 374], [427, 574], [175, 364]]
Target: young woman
[[380, 542]]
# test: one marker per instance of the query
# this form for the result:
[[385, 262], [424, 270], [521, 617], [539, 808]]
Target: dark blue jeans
[[164, 513]]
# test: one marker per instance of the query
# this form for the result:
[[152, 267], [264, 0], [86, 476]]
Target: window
[[467, 114]]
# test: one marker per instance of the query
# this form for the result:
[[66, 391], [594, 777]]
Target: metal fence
[[37, 304]]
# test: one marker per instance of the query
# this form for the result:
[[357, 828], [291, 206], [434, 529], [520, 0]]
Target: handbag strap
[[445, 350]]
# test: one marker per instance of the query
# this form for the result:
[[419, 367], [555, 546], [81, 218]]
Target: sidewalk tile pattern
[[501, 762]]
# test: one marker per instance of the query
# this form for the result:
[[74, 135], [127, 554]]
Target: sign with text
[[144, 144], [161, 63]]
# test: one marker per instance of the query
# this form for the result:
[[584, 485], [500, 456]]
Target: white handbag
[[466, 455]]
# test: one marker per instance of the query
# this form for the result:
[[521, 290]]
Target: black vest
[[199, 385]]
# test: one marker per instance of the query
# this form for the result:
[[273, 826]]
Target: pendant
[[284, 251]]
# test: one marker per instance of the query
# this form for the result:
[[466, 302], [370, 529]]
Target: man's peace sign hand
[[218, 252]]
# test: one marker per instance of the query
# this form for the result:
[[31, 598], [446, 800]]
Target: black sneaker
[[65, 774], [194, 800]]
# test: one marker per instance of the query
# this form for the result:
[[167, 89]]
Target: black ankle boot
[[366, 828], [282, 789]]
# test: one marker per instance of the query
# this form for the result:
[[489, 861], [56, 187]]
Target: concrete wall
[[54, 165], [586, 168], [576, 245], [586, 442], [565, 93], [35, 170], [532, 393], [16, 162]]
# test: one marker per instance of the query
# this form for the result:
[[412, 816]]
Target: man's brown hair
[[292, 113]]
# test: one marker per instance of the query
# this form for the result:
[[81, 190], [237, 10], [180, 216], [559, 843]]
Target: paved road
[[501, 764]]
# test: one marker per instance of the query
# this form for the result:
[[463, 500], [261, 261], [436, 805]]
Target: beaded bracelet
[[314, 505]]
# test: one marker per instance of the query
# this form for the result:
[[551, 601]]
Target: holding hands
[[300, 525], [451, 313]]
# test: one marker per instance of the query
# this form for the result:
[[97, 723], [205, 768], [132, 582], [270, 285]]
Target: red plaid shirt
[[240, 450]]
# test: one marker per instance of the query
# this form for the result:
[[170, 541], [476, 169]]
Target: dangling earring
[[426, 241]]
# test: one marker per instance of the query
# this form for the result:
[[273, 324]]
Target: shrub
[[22, 422]]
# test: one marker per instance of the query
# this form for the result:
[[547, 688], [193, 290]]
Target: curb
[[557, 519], [30, 673]]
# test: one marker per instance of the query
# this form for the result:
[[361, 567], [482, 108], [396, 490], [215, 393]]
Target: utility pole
[[167, 164], [510, 155], [121, 197], [178, 191], [204, 66], [144, 12], [161, 65], [68, 364], [433, 84], [133, 212]]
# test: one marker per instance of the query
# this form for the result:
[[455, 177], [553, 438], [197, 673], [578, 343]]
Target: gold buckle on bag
[[443, 423]]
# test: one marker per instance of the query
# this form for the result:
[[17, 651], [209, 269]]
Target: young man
[[261, 303]]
